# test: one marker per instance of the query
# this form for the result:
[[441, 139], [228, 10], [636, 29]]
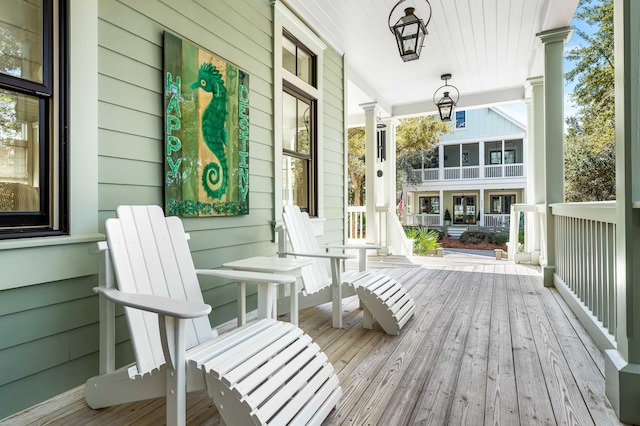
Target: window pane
[[19, 153], [288, 55], [496, 205], [509, 157], [461, 119], [496, 157], [289, 121], [304, 123], [305, 66], [295, 182], [21, 40]]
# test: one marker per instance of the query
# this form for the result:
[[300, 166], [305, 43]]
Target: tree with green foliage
[[590, 141], [417, 140], [356, 165]]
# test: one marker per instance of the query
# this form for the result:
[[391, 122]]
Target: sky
[[519, 111]]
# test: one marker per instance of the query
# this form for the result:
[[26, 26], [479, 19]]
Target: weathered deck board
[[488, 345], [501, 395]]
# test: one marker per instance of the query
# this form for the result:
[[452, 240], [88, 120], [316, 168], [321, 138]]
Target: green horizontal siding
[[49, 317]]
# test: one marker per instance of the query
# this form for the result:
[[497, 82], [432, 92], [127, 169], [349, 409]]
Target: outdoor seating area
[[222, 115], [488, 344]]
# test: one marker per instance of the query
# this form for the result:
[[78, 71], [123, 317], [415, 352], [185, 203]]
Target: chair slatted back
[[150, 255], [302, 239]]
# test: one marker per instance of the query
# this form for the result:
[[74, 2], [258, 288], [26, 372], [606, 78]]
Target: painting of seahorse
[[214, 133], [207, 108]]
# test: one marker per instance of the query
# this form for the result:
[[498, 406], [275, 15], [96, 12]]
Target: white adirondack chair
[[266, 372], [382, 297]]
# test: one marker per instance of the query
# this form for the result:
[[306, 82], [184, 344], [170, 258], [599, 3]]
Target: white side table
[[267, 302]]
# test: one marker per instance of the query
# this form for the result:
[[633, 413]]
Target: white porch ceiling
[[489, 46]]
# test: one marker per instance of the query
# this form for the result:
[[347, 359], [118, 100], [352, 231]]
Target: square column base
[[622, 386], [547, 275]]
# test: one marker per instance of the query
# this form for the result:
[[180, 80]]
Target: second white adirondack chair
[[266, 372], [382, 297]]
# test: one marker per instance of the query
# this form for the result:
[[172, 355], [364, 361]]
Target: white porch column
[[481, 207], [482, 157], [553, 41], [535, 140], [370, 110], [535, 159], [622, 365]]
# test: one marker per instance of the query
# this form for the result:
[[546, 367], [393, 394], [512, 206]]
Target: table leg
[[293, 300], [242, 304], [265, 300]]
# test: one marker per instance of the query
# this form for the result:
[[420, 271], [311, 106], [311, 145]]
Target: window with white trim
[[299, 124], [33, 195]]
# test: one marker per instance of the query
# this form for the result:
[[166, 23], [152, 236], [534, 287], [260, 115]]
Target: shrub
[[500, 238], [423, 240], [476, 237]]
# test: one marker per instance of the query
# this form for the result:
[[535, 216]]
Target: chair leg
[[173, 332], [336, 293]]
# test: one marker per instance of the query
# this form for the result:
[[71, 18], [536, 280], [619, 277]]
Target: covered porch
[[489, 344]]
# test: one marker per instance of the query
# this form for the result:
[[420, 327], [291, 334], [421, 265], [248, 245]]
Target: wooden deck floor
[[488, 345]]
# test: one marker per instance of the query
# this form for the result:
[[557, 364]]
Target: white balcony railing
[[430, 174], [472, 172]]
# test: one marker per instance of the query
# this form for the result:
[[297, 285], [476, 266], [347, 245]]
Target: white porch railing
[[390, 232], [423, 219], [497, 220], [356, 222], [586, 256]]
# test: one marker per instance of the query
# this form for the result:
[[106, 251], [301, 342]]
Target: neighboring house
[[479, 171]]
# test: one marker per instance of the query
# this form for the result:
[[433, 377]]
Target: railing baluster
[[585, 257]]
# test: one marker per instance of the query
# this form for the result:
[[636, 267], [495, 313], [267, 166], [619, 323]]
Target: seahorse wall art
[[206, 132], [214, 174]]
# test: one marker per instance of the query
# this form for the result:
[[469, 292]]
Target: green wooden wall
[[48, 327], [482, 123]]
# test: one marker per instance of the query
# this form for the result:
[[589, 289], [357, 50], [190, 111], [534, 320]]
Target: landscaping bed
[[448, 242]]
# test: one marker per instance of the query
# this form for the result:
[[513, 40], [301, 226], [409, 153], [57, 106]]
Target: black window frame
[[311, 158], [51, 98], [314, 59]]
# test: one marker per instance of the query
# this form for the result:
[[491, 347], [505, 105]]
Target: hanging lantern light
[[446, 103], [409, 32]]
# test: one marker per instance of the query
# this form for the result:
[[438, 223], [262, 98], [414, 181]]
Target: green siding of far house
[[483, 123], [48, 311]]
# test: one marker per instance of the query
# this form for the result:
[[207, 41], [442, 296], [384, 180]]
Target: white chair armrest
[[320, 255], [247, 276], [161, 305], [354, 246]]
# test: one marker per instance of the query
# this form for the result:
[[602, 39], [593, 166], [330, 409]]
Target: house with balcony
[[476, 173], [84, 130]]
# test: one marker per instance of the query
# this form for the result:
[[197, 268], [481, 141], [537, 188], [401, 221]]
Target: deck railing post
[[553, 41], [622, 365]]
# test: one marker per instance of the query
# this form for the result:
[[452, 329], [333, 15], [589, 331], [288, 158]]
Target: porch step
[[456, 231]]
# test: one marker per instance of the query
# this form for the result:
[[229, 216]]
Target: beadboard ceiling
[[489, 46]]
